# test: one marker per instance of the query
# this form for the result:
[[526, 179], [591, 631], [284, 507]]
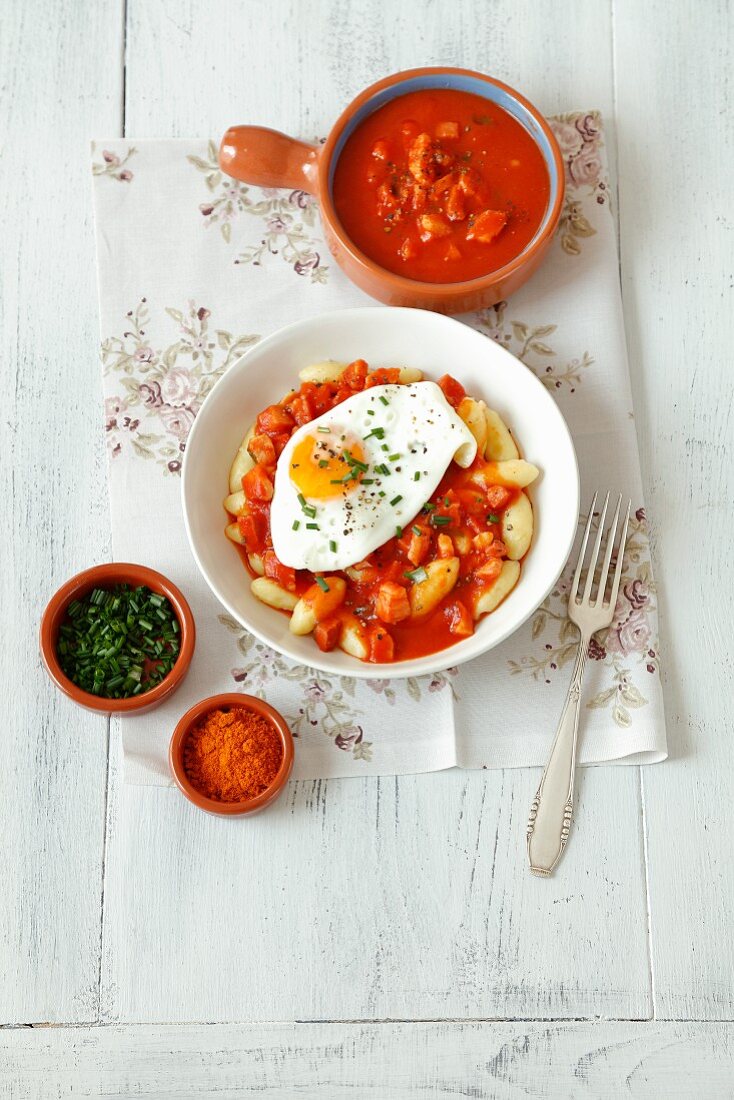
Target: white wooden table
[[377, 938]]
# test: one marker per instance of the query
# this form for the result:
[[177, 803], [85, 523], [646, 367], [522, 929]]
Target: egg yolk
[[323, 465]]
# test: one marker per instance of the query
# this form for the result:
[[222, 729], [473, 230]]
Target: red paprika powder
[[232, 755]]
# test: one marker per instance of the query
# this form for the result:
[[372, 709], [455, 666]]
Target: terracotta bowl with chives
[[175, 621]]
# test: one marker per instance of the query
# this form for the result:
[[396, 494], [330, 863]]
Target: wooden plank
[[407, 899], [676, 156], [54, 94], [373, 899], [486, 1061]]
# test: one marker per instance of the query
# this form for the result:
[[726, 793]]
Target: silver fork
[[552, 808]]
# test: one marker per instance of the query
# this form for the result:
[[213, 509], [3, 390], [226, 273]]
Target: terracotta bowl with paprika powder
[[231, 754]]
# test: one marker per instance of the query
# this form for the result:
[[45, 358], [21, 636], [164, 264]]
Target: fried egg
[[347, 481]]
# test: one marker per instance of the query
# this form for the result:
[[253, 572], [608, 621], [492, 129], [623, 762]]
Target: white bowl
[[384, 336]]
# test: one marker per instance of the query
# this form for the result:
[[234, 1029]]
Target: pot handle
[[267, 158]]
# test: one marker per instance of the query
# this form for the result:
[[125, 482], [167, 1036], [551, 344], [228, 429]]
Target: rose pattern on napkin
[[112, 165], [165, 388], [580, 139], [285, 219]]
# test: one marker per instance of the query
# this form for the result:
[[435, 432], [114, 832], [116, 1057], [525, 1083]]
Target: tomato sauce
[[462, 521], [441, 186]]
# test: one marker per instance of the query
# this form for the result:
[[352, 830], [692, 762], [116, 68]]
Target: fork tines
[[611, 541]]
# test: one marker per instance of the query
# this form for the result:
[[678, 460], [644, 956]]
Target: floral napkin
[[193, 269]]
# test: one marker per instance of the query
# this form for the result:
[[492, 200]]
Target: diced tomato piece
[[253, 528], [490, 571], [416, 547], [473, 502], [483, 541], [392, 605], [262, 449], [460, 621], [453, 391], [283, 574], [455, 209], [497, 497], [275, 420], [363, 572], [325, 602], [258, 484], [433, 226], [381, 646], [448, 131], [354, 375], [302, 409], [486, 226], [384, 376], [380, 150], [445, 546], [445, 183], [279, 442], [407, 249], [327, 633]]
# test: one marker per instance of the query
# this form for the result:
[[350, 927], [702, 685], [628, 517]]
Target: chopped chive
[[313, 527], [416, 530], [309, 511], [393, 458], [296, 524], [492, 518], [447, 502], [384, 399], [323, 463], [395, 500], [398, 530], [417, 475], [323, 585], [428, 507], [370, 412], [355, 462], [324, 430], [115, 642], [332, 546], [382, 493], [378, 433], [417, 575], [382, 469], [440, 521], [385, 447], [301, 499]]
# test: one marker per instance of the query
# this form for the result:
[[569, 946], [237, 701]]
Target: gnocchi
[[492, 597], [441, 576], [500, 446], [473, 413], [517, 527], [242, 464], [270, 592]]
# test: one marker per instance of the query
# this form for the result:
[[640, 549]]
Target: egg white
[[419, 425]]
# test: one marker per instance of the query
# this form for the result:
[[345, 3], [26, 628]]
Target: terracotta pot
[[267, 158], [192, 716], [105, 576]]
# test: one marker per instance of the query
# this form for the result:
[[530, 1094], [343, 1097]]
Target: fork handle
[[552, 808]]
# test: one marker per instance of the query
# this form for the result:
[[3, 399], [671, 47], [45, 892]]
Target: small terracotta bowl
[[105, 576], [181, 732], [268, 158]]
